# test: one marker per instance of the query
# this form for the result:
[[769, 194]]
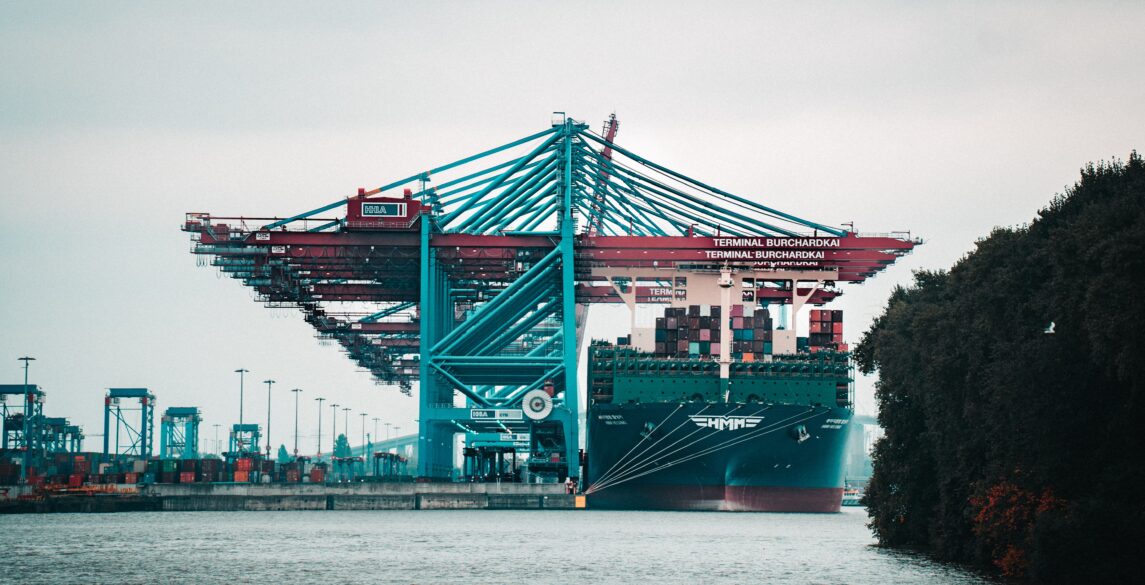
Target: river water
[[479, 546]]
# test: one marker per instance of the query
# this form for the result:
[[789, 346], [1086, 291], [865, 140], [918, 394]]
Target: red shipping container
[[75, 480], [243, 464], [843, 347], [186, 477], [242, 476], [131, 478], [705, 335], [317, 475], [715, 348], [737, 322], [737, 311], [837, 338], [837, 327]]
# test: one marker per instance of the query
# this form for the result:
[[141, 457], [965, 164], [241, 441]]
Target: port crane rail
[[473, 278]]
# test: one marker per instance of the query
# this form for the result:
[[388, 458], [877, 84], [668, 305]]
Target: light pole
[[320, 400], [346, 424], [216, 438], [364, 415], [387, 431], [27, 418], [296, 391], [268, 384], [241, 372], [334, 428], [376, 419]]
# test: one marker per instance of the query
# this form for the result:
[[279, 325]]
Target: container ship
[[668, 430]]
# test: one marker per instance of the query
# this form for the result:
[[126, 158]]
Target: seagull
[[1049, 330]]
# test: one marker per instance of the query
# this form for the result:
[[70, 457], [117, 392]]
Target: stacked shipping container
[[696, 331], [826, 330]]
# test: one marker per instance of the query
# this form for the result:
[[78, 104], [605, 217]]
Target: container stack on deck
[[695, 332], [826, 330]]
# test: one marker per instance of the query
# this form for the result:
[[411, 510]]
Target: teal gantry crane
[[474, 278], [179, 433]]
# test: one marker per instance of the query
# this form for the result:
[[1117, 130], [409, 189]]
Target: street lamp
[[216, 438], [240, 372], [238, 437], [27, 418], [268, 384], [387, 431], [334, 427], [320, 400], [296, 391], [346, 424], [363, 415], [376, 419]]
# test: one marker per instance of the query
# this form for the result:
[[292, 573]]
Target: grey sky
[[117, 118]]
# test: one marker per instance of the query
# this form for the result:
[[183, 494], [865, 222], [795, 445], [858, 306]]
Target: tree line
[[1010, 392]]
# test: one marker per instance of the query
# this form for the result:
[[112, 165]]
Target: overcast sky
[[117, 118]]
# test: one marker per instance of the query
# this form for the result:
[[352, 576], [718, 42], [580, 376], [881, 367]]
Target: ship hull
[[729, 457]]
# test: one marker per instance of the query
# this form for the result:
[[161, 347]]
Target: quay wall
[[217, 497]]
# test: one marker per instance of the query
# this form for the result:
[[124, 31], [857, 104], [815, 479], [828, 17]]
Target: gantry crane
[[474, 280]]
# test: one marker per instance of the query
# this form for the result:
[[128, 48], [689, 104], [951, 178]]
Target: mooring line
[[726, 444], [622, 463], [634, 465], [708, 450]]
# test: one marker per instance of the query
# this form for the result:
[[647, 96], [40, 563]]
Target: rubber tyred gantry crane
[[474, 279]]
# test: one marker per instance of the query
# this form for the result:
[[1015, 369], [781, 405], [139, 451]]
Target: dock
[[219, 497]]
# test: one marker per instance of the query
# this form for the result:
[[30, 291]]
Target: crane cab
[[382, 213]]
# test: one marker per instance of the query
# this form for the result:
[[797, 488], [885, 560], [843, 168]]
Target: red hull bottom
[[722, 498]]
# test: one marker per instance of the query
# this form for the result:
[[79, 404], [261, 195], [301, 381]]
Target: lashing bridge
[[473, 278]]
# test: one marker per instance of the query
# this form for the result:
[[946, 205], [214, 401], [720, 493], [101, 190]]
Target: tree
[[1008, 389], [342, 447]]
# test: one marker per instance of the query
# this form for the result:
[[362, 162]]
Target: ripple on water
[[458, 547]]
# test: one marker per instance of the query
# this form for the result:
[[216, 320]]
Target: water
[[479, 546]]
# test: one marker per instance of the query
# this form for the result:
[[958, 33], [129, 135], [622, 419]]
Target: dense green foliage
[[1005, 444]]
